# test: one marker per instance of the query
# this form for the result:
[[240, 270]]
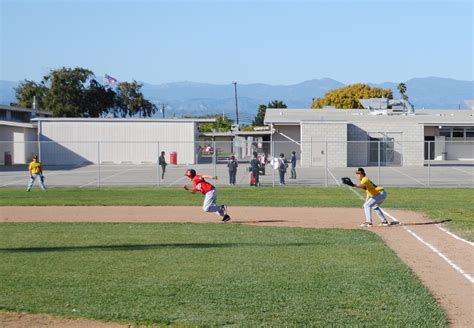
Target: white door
[[18, 155]]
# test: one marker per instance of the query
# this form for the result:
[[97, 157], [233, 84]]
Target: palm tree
[[402, 88]]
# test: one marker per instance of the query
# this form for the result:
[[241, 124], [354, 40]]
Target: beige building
[[340, 138]]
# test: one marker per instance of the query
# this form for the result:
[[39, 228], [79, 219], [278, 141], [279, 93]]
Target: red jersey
[[199, 184]]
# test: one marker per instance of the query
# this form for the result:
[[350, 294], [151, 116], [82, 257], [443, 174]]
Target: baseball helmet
[[190, 173]]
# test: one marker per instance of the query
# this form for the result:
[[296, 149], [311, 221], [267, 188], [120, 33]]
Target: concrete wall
[[409, 141], [82, 142], [324, 142], [283, 144], [19, 142]]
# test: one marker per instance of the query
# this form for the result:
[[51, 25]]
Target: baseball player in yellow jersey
[[375, 196], [36, 171]]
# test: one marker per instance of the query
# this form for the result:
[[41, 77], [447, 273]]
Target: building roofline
[[23, 109], [17, 124], [114, 120]]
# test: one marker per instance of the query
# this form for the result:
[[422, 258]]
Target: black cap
[[360, 170]]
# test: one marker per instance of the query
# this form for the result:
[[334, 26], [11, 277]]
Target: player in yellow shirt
[[36, 171], [375, 196]]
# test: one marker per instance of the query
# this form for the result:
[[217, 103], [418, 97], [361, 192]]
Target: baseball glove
[[347, 181]]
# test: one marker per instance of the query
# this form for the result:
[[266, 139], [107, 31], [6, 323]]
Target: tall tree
[[74, 92], [262, 109], [348, 97], [131, 102], [66, 96], [29, 90], [100, 100], [402, 88], [258, 121]]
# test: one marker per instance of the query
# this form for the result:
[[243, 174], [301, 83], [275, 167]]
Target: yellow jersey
[[370, 188], [35, 167]]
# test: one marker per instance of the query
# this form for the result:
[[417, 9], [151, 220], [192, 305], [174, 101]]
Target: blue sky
[[274, 42]]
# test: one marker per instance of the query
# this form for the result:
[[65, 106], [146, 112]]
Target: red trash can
[[174, 158]]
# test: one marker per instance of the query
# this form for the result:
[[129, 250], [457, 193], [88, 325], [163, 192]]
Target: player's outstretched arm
[[189, 189]]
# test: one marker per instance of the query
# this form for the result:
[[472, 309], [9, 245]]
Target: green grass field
[[453, 204], [216, 275], [210, 275]]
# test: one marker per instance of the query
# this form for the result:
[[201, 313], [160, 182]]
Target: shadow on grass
[[140, 247]]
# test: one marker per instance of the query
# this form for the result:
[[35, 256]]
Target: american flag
[[109, 79]]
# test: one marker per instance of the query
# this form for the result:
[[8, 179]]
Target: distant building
[[342, 137], [79, 141], [18, 135]]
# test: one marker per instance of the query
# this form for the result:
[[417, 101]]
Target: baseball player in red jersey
[[209, 192]]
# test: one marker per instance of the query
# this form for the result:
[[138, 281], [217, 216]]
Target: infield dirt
[[452, 289]]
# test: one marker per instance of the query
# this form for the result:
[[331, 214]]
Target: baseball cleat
[[384, 224], [224, 209], [226, 218], [366, 224]]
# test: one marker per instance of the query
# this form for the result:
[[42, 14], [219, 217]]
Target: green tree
[[402, 88], [131, 102], [66, 96], [25, 92], [100, 100], [74, 92], [262, 109], [258, 121], [222, 124], [348, 97]]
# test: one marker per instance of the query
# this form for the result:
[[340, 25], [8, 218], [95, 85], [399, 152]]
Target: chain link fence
[[318, 163]]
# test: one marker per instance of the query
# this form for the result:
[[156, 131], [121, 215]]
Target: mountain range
[[192, 98]]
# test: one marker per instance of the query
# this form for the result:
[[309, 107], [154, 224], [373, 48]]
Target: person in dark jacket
[[232, 164], [255, 169], [293, 165], [162, 163], [282, 166]]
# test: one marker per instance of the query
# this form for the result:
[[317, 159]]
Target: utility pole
[[163, 106], [236, 106]]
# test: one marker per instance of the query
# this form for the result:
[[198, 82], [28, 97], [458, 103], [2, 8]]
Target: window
[[470, 133], [458, 133], [446, 132]]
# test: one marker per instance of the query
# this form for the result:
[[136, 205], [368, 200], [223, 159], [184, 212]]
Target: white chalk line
[[176, 181], [436, 251], [337, 181], [454, 236], [458, 169], [444, 257], [106, 178], [409, 176]]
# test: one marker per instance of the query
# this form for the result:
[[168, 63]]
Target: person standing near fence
[[209, 191], [162, 163], [232, 164], [293, 165], [255, 169], [375, 196], [36, 171], [282, 167]]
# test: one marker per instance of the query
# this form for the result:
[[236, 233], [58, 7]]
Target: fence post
[[273, 161], [214, 156], [378, 160], [429, 163], [326, 164], [158, 164], [98, 162]]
